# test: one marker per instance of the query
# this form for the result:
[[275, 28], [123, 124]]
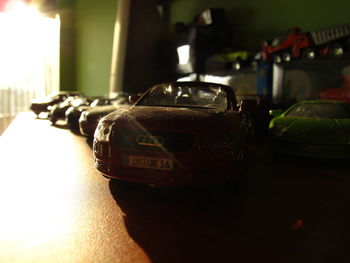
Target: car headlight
[[83, 116], [103, 131], [69, 111], [278, 128]]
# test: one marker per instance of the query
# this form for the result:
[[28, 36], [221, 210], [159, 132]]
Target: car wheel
[[277, 59], [309, 53], [53, 121], [52, 118], [336, 50], [237, 64], [286, 57]]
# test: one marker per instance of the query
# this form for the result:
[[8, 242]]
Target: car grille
[[173, 142]]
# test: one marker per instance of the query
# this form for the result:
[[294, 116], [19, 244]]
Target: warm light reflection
[[34, 215], [35, 212], [37, 200]]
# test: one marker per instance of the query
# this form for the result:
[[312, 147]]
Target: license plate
[[150, 163], [149, 140]]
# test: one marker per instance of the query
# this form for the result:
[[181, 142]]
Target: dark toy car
[[73, 113], [89, 119], [181, 133], [258, 112], [43, 104], [58, 111], [315, 128]]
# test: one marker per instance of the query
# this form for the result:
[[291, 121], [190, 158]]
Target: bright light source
[[28, 40], [29, 52], [21, 9], [184, 54], [191, 77], [225, 80]]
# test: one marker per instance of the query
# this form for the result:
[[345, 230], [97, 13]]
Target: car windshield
[[186, 96], [322, 111]]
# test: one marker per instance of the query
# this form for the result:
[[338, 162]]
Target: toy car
[[73, 113], [258, 112], [228, 60], [293, 44], [180, 133], [89, 119], [315, 128], [43, 104], [58, 111]]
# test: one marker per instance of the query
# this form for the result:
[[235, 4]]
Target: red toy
[[338, 88], [296, 44]]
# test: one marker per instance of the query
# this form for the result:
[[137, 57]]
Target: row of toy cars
[[179, 133], [196, 133], [294, 44], [44, 105], [58, 111], [70, 106]]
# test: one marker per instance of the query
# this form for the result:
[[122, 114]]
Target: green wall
[[94, 39], [255, 20], [67, 44]]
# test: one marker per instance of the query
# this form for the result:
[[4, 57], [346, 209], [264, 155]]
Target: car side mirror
[[247, 105], [275, 113], [134, 98]]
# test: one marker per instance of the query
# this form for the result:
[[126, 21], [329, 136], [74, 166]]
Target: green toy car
[[313, 128]]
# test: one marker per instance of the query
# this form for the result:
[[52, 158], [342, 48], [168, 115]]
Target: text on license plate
[[150, 162]]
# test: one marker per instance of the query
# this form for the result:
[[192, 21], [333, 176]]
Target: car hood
[[98, 109], [171, 118], [317, 130]]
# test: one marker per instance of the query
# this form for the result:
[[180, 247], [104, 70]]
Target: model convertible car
[[315, 128], [181, 133]]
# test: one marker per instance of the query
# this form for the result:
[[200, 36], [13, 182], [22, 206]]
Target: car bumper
[[190, 168]]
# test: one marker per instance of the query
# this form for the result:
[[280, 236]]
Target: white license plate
[[150, 163]]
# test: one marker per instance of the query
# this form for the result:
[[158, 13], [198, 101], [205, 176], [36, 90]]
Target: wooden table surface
[[55, 207]]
